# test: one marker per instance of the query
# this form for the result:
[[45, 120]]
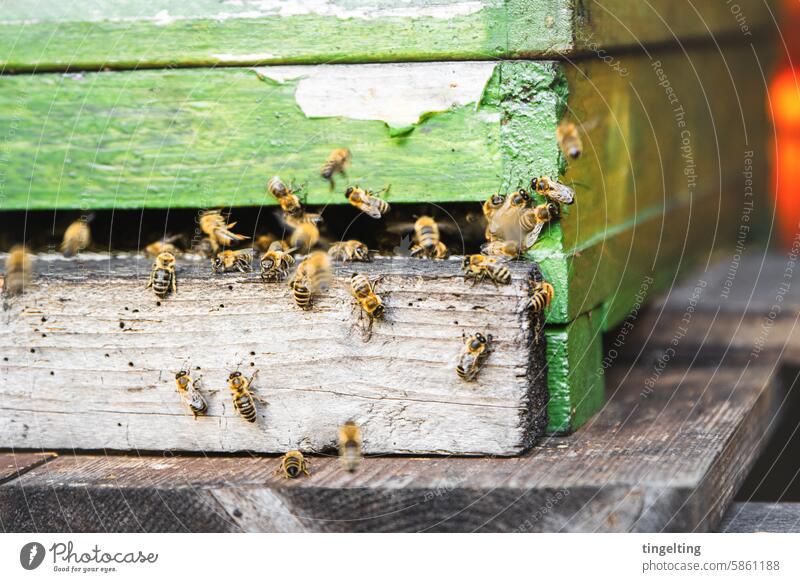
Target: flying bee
[[553, 190], [163, 279], [532, 220], [367, 202], [263, 242], [313, 275], [218, 230], [349, 250], [275, 263], [77, 237], [501, 248], [295, 221], [305, 237], [228, 260], [18, 271], [364, 292], [336, 164], [426, 239], [474, 353], [480, 267], [349, 445], [190, 395], [286, 197], [243, 396], [293, 465], [569, 140], [504, 224], [163, 245]]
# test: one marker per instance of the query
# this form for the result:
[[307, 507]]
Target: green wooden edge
[[574, 372]]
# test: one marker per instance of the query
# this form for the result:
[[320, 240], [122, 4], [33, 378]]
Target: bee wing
[[562, 193], [369, 209], [227, 236], [533, 235]]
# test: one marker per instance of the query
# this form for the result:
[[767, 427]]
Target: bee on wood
[[350, 445], [501, 248], [77, 237], [553, 190], [569, 140], [163, 245], [275, 263], [293, 465], [367, 202], [336, 164], [480, 267], [349, 250], [305, 237], [243, 396], [18, 271], [540, 293], [364, 292], [163, 279], [532, 220], [474, 353], [218, 230], [287, 199], [227, 261], [313, 275], [188, 389], [427, 242]]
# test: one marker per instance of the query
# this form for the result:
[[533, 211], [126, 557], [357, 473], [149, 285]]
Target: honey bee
[[77, 237], [349, 445], [492, 205], [553, 190], [336, 164], [214, 225], [305, 237], [243, 395], [190, 395], [263, 243], [275, 263], [504, 223], [364, 292], [569, 140], [293, 465], [480, 267], [349, 250], [532, 220], [540, 293], [18, 271], [474, 353], [367, 202], [313, 274], [228, 260], [287, 199], [295, 221], [164, 245], [163, 279], [501, 248], [426, 239]]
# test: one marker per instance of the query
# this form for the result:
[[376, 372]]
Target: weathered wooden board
[[53, 34], [752, 517], [89, 359], [12, 465], [188, 138], [666, 462]]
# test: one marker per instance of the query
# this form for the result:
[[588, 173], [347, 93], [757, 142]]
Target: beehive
[[139, 105]]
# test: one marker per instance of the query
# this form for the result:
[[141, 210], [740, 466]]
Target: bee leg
[[174, 284]]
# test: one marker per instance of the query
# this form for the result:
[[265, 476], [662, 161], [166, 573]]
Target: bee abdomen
[[246, 407], [292, 467], [301, 294], [162, 282], [502, 275]]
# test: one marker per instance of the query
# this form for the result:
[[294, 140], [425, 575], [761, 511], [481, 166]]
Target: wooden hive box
[[448, 101]]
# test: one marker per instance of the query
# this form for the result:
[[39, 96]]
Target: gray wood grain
[[761, 517], [89, 359]]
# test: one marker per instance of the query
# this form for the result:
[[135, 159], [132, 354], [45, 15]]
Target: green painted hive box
[[138, 105]]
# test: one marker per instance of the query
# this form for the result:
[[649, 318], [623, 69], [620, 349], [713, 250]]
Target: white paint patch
[[397, 94], [163, 18]]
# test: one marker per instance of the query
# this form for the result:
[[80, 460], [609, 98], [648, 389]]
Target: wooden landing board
[[751, 517], [670, 461], [89, 360], [61, 34]]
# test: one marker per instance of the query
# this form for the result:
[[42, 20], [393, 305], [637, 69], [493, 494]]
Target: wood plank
[[12, 465], [189, 138], [112, 33], [88, 332], [749, 517], [665, 462]]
